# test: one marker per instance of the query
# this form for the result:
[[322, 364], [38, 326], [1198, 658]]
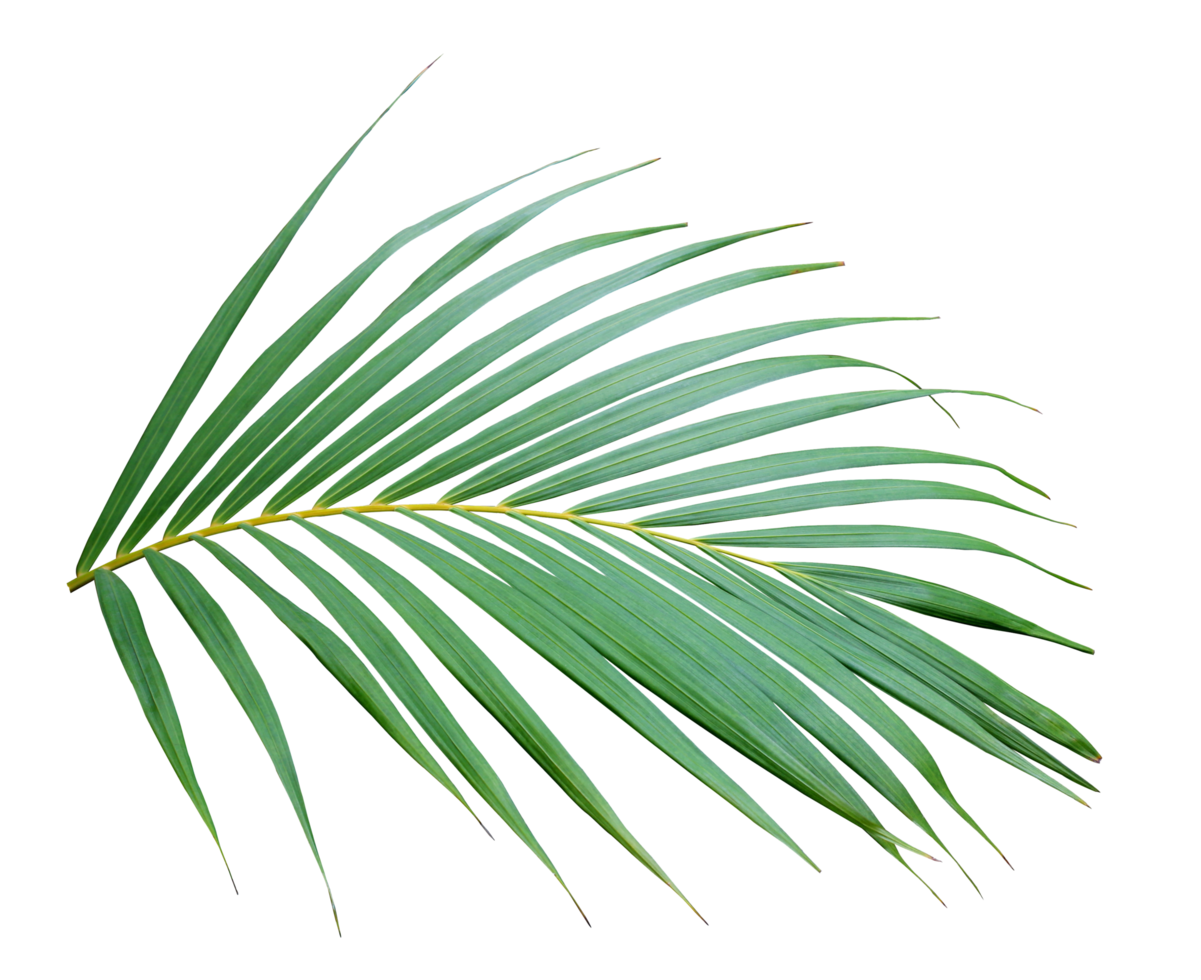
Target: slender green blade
[[738, 655], [483, 679], [864, 536], [646, 410], [652, 404], [767, 469], [814, 496], [336, 657], [389, 362], [400, 673], [124, 621], [535, 614], [725, 430], [191, 376], [929, 598], [266, 370], [580, 398], [490, 393], [896, 670], [402, 406], [636, 630], [787, 688], [965, 672], [216, 634], [749, 612]]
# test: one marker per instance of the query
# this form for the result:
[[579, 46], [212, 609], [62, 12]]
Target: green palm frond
[[779, 659]]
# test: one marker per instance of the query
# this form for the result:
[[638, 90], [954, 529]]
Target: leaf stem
[[80, 581]]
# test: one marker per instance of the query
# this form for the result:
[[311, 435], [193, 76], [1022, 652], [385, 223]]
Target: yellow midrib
[[82, 580]]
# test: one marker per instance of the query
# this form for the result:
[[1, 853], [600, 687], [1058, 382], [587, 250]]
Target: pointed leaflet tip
[[1095, 758], [579, 908]]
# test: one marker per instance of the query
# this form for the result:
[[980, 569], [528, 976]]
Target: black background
[[946, 186]]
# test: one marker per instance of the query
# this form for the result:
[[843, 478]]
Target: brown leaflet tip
[[1095, 758], [1086, 804]]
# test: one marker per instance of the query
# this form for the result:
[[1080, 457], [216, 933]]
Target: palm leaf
[[746, 648]]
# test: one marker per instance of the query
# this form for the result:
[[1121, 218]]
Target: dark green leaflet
[[813, 496], [897, 671], [579, 398], [651, 408], [272, 364], [766, 469], [398, 670], [398, 410], [725, 430], [385, 365], [919, 646], [812, 655], [863, 536], [787, 688], [216, 634], [929, 598], [493, 391], [481, 676], [534, 611], [199, 363], [707, 644], [686, 665], [124, 621], [336, 657]]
